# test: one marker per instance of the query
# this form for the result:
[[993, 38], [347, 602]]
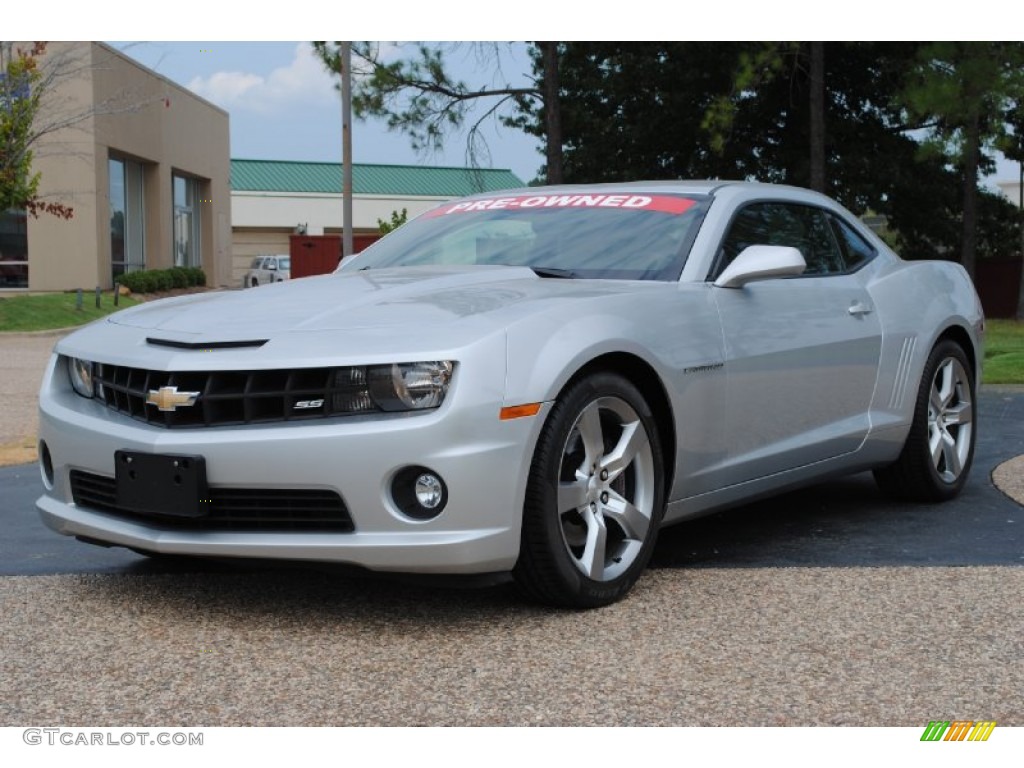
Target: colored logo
[[958, 730], [169, 398]]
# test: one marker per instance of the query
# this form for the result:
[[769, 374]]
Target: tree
[[744, 111], [1013, 147], [965, 90], [817, 121], [418, 97], [33, 107], [22, 84], [633, 110], [397, 220]]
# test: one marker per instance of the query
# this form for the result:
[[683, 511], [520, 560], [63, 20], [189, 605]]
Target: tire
[[254, 283], [939, 450], [595, 496]]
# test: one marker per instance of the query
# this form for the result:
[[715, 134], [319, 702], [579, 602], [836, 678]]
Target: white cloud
[[225, 88], [304, 80]]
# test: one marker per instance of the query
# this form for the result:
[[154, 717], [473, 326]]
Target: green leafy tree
[[744, 111], [397, 220], [1013, 147], [34, 108], [633, 110], [22, 84], [964, 90], [417, 96]]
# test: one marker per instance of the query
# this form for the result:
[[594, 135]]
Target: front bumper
[[483, 461]]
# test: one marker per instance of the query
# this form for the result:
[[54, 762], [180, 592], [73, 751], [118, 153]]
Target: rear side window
[[855, 248]]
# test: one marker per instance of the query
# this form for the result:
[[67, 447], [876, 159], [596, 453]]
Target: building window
[[186, 222], [13, 249], [127, 216]]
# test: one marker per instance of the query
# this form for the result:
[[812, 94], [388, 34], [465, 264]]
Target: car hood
[[412, 296]]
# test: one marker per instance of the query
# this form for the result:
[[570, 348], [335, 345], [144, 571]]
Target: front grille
[[231, 509], [235, 397]]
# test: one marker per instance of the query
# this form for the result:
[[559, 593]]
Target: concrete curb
[[55, 332]]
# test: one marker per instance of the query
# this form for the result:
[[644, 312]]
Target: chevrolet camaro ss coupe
[[525, 384]]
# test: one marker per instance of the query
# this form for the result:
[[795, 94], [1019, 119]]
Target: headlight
[[409, 386], [80, 372]]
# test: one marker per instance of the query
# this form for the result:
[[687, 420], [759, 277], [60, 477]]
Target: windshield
[[612, 236]]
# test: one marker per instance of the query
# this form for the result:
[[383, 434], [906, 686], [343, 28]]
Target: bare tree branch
[[416, 95]]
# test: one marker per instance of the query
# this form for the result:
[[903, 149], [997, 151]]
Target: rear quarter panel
[[918, 302]]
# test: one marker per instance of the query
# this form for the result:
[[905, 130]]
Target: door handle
[[857, 308]]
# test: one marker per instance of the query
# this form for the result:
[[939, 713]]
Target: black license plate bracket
[[161, 484]]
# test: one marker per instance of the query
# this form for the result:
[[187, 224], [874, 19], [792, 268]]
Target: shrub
[[179, 277], [150, 280], [147, 283], [129, 281]]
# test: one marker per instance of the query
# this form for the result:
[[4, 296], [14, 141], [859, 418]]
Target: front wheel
[[594, 498], [940, 446]]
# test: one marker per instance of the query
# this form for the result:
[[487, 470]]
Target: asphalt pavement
[[846, 522]]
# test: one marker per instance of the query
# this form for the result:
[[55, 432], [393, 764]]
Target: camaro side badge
[[703, 368], [169, 398]]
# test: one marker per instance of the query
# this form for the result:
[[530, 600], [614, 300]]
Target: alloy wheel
[[606, 489]]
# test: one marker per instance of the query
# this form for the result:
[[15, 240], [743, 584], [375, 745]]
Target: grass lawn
[[1004, 352], [55, 310]]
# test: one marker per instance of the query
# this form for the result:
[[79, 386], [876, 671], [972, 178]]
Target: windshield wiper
[[565, 274]]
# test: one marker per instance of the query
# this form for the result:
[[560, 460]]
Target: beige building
[[145, 165]]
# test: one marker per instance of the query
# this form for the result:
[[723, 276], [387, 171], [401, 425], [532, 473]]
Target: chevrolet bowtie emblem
[[169, 398]]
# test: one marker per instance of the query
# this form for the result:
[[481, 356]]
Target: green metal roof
[[367, 179]]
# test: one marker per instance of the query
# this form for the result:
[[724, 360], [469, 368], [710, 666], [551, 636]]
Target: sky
[[285, 106]]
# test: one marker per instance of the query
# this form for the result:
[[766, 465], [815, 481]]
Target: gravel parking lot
[[710, 646], [742, 647], [24, 357]]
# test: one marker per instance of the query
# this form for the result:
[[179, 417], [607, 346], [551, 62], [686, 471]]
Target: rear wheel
[[595, 496], [937, 456]]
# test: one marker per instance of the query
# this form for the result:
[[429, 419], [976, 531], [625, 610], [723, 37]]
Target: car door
[[801, 352]]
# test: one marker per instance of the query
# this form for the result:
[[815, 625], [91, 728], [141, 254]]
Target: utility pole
[[346, 149]]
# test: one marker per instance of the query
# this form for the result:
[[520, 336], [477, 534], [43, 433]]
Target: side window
[[822, 255], [799, 226], [854, 248], [753, 225]]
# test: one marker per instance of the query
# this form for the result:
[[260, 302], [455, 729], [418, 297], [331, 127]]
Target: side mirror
[[272, 266], [761, 262]]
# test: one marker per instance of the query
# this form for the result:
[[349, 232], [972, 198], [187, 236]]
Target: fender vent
[[899, 386]]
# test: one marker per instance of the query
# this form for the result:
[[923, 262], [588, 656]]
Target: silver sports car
[[527, 384]]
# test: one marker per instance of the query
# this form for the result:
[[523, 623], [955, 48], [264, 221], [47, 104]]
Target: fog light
[[419, 493], [46, 465], [428, 490]]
